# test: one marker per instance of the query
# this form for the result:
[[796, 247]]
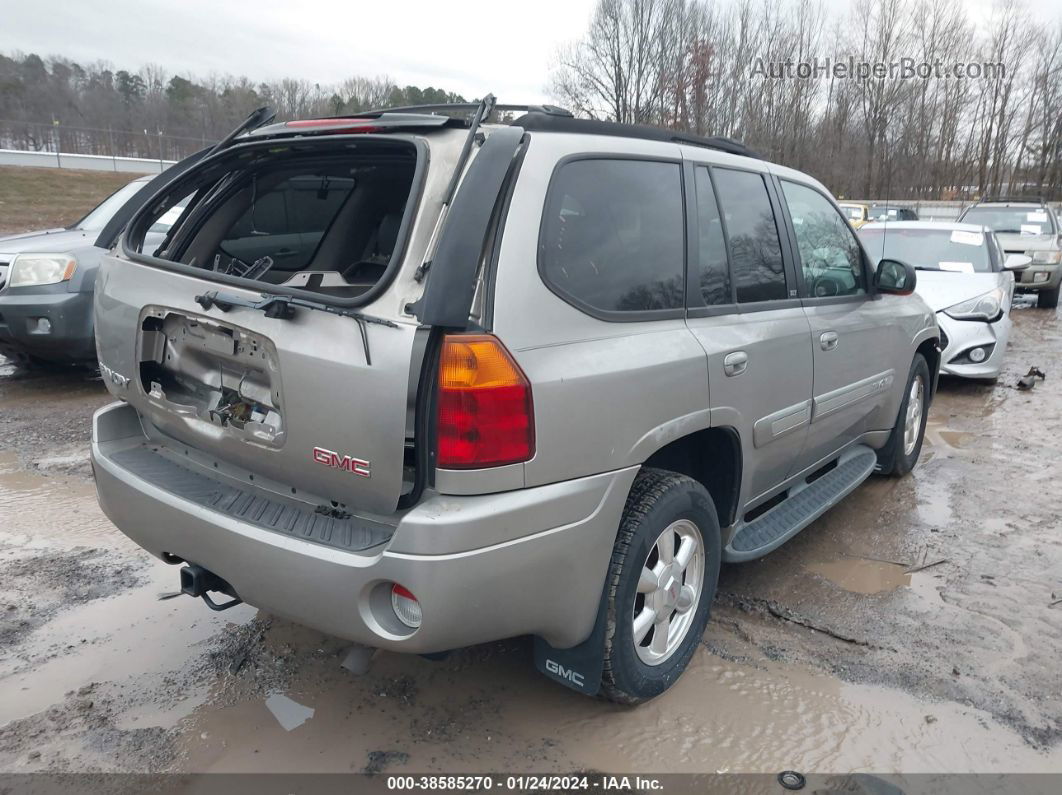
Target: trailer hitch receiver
[[198, 582]]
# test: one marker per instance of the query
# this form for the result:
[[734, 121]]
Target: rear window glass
[[613, 235], [755, 250]]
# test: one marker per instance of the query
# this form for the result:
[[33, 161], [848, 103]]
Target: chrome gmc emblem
[[356, 466]]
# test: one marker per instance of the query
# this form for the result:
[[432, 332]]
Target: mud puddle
[[36, 506], [862, 575], [483, 715]]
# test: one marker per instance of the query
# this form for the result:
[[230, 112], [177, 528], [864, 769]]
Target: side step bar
[[806, 503]]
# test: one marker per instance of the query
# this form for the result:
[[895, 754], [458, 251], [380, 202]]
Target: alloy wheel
[[669, 587]]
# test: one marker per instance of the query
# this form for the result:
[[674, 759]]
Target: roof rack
[[453, 107], [1012, 199], [554, 123]]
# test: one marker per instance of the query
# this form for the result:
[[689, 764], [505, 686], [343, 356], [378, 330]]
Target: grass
[[44, 198]]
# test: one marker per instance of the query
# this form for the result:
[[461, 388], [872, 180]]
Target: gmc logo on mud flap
[[557, 669], [355, 466]]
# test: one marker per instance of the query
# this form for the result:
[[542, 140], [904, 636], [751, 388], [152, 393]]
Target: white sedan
[[966, 278]]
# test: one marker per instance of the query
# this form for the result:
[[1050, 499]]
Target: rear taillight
[[485, 417]]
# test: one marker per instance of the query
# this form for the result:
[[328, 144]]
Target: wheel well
[[712, 457], [931, 352]]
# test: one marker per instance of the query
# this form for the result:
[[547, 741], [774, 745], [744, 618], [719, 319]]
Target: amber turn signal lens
[[485, 415]]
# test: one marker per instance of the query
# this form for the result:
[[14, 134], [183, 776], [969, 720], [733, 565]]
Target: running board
[[806, 503]]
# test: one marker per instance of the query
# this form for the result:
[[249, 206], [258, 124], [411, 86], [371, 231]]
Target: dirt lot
[[827, 655], [45, 198]]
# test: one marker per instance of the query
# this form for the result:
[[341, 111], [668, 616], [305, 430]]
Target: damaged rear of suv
[[292, 407], [423, 381]]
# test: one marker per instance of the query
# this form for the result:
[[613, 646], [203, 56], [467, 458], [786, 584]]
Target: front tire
[[900, 453], [661, 582]]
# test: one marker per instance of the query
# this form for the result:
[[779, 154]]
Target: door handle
[[828, 340], [735, 363]]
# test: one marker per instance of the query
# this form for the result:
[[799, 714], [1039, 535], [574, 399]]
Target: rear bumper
[[67, 336], [538, 566]]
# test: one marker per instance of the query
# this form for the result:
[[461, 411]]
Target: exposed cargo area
[[325, 216]]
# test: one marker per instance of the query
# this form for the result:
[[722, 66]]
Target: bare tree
[[905, 123]]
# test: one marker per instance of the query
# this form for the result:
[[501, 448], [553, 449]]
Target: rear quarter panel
[[606, 394]]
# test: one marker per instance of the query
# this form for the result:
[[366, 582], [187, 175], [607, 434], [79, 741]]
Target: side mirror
[[895, 277], [1017, 262]]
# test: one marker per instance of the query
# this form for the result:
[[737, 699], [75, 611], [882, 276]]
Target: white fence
[[132, 165]]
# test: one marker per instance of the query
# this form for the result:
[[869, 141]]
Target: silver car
[[422, 381], [47, 279], [1031, 228], [966, 278]]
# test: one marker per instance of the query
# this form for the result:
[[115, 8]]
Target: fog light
[[1040, 276], [406, 606], [44, 325], [977, 355]]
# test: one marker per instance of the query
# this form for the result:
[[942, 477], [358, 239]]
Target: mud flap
[[579, 667]]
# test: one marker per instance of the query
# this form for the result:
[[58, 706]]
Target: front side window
[[829, 253], [755, 249], [613, 235]]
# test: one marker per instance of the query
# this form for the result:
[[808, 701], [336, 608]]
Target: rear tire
[[1048, 299], [646, 588], [900, 453]]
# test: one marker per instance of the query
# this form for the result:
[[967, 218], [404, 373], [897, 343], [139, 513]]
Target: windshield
[[1012, 220], [98, 217], [854, 212], [882, 212], [930, 249]]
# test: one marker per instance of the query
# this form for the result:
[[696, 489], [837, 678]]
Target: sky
[[467, 46]]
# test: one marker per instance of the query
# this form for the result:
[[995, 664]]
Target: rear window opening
[[330, 219]]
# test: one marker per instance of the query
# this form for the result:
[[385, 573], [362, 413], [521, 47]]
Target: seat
[[378, 250], [382, 242]]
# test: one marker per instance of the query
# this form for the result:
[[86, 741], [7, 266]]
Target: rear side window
[[613, 235], [713, 275], [755, 249], [831, 259]]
